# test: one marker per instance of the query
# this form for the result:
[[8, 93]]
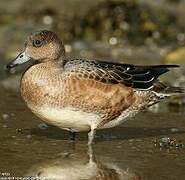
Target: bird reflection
[[80, 166]]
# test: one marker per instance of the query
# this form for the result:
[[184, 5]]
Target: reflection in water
[[80, 166]]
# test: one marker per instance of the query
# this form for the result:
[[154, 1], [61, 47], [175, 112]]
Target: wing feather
[[140, 77]]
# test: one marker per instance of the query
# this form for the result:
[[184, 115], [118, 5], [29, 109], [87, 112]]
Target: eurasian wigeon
[[85, 95]]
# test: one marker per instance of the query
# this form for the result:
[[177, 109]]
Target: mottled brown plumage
[[85, 95]]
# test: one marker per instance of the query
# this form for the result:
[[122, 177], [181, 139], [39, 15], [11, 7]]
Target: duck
[[79, 94]]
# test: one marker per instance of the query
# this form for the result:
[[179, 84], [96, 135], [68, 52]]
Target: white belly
[[74, 120], [67, 118]]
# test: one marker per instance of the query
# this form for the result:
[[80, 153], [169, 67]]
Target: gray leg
[[72, 135], [91, 154], [91, 135]]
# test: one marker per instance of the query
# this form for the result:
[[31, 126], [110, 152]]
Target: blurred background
[[126, 31]]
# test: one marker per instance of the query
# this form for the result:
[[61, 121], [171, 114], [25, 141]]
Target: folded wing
[[135, 76]]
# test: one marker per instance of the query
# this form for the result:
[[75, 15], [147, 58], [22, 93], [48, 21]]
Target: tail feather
[[174, 90], [143, 77], [163, 90]]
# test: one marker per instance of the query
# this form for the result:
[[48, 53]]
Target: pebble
[[5, 116], [19, 130], [168, 143], [4, 125], [165, 140], [29, 136], [174, 130]]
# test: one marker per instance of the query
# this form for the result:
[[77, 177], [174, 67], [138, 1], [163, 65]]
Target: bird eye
[[37, 43]]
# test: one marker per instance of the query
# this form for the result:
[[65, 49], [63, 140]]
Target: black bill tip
[[10, 65]]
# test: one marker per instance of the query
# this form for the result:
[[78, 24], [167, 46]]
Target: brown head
[[40, 46]]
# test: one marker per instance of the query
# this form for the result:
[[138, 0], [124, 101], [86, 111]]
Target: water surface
[[125, 152]]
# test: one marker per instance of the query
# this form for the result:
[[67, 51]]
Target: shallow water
[[126, 152]]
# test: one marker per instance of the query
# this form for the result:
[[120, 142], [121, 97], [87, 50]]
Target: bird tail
[[174, 90], [166, 91]]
